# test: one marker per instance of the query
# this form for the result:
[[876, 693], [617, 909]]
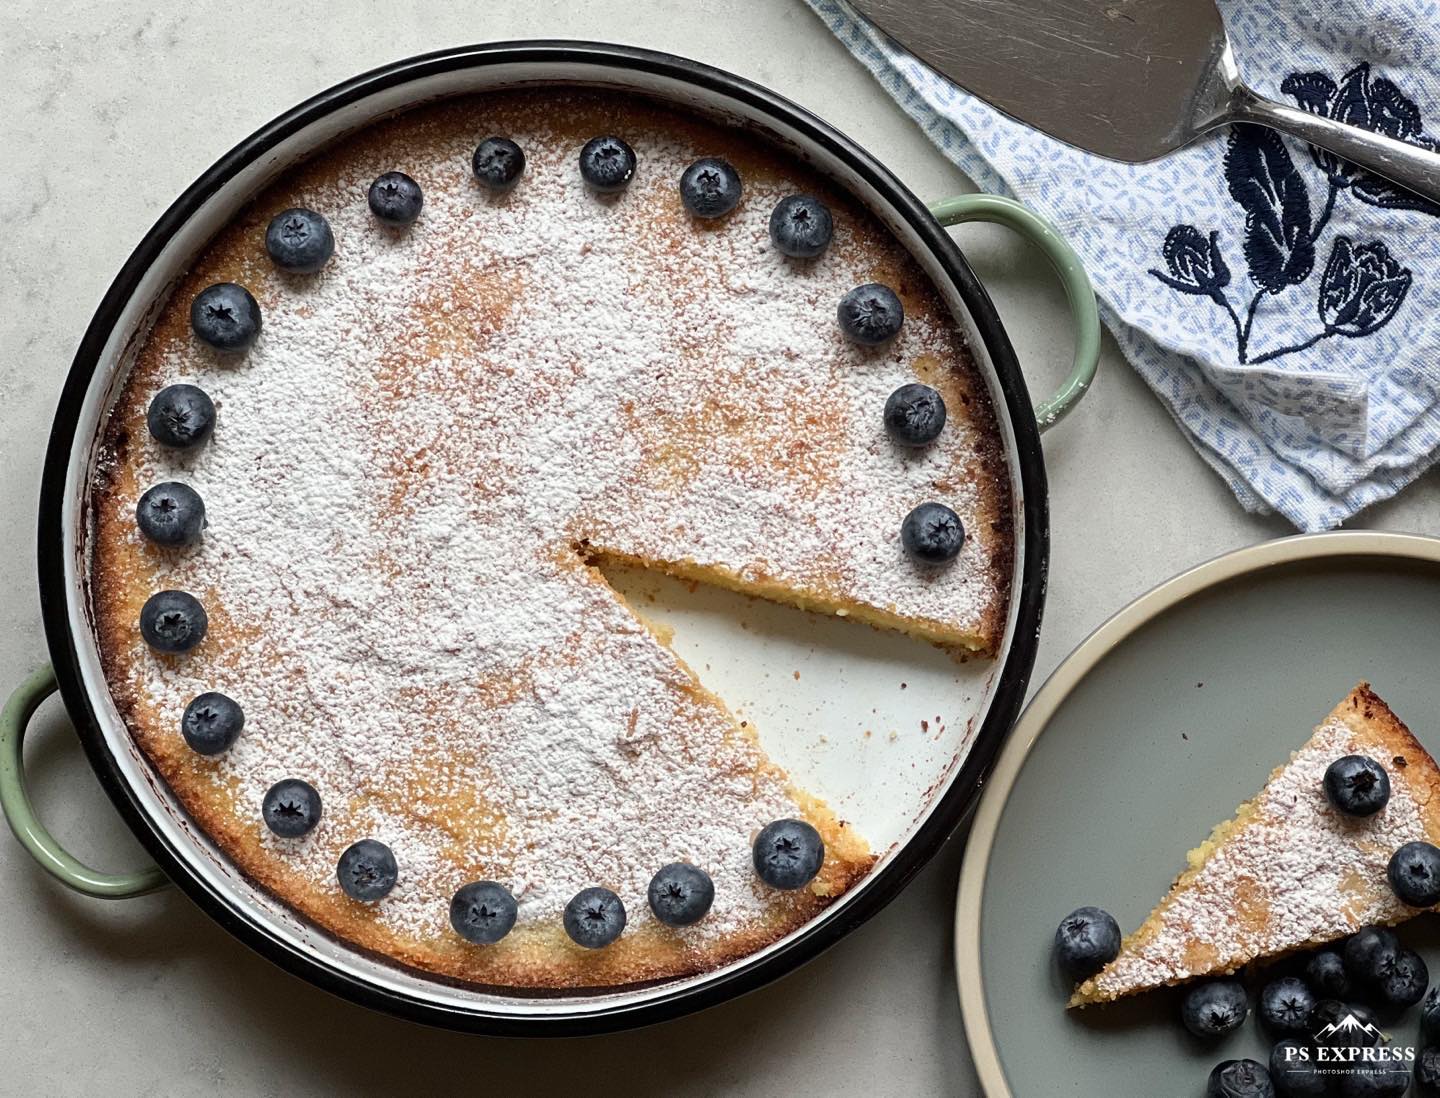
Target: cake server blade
[[1126, 79]]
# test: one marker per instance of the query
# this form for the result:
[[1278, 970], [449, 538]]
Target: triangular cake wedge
[[1288, 872]]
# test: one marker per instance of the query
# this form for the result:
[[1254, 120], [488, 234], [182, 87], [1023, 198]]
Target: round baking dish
[[186, 857]]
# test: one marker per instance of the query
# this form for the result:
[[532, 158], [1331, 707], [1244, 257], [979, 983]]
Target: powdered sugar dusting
[[404, 466], [1297, 873]]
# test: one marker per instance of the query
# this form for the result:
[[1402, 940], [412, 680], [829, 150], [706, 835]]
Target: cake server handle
[[20, 813], [1079, 292]]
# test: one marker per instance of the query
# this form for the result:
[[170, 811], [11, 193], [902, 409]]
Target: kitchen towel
[[1283, 304]]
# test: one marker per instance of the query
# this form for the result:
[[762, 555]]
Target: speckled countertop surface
[[110, 111]]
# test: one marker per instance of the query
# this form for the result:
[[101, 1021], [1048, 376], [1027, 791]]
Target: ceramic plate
[[1149, 733]]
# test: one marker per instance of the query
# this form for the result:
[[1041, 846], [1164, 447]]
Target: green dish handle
[[1011, 214], [20, 813]]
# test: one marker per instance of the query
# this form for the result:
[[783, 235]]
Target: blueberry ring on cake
[[377, 445]]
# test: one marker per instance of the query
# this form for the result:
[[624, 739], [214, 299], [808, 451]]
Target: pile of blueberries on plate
[[1322, 1010]]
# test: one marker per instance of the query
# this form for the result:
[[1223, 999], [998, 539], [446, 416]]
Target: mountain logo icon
[[1348, 1025]]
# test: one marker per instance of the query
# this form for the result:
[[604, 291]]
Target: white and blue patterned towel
[[1283, 304]]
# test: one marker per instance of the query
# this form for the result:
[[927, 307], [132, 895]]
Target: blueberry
[[1343, 1025], [710, 187], [1357, 785], [225, 316], [212, 723], [1430, 1016], [181, 416], [1239, 1079], [607, 164], [1427, 1073], [1369, 953], [681, 894], [395, 198], [932, 534], [788, 854], [482, 912], [1214, 1008], [367, 870], [1327, 977], [1296, 1071], [1382, 967], [594, 918], [1414, 873], [173, 621], [1285, 1006], [299, 240], [914, 415], [1086, 941], [171, 514], [870, 314], [498, 163], [801, 226], [291, 808], [1404, 985]]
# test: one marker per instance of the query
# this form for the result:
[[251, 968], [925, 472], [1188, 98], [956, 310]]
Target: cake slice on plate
[[1288, 871]]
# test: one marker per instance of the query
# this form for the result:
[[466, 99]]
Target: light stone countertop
[[111, 110]]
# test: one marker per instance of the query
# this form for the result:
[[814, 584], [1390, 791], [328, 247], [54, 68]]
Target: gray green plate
[[1150, 733]]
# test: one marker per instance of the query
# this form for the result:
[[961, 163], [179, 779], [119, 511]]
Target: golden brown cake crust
[[1227, 910], [443, 785]]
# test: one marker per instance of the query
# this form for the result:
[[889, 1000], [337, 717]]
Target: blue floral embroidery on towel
[[1362, 285]]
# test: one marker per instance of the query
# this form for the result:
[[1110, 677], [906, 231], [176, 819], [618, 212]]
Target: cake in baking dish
[[419, 714], [1289, 871]]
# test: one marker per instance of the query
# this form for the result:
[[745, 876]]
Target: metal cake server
[[1126, 79]]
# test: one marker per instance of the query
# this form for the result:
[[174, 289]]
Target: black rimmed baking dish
[[184, 855]]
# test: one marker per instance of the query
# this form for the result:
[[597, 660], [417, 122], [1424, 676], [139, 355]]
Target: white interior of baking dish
[[877, 723]]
